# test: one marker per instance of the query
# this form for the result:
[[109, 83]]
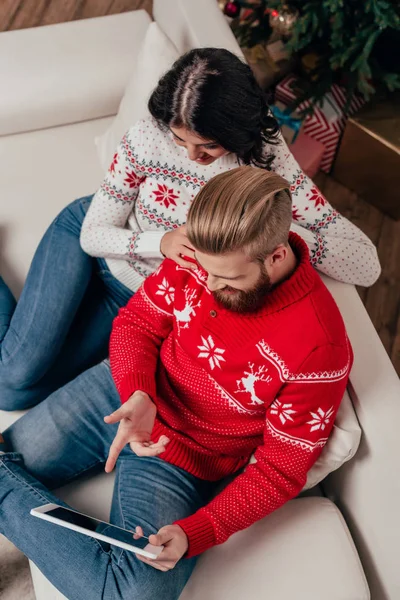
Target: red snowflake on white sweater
[[132, 179], [317, 197], [165, 195], [114, 163], [296, 215]]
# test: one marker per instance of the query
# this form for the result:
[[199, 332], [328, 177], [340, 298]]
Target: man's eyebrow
[[218, 276]]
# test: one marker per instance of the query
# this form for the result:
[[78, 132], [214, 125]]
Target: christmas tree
[[354, 43]]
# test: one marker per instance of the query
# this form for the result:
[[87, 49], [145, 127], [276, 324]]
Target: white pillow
[[156, 56], [341, 446]]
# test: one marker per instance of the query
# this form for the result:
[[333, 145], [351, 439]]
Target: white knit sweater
[[148, 190]]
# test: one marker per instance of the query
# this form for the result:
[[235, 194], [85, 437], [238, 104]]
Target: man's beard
[[248, 301]]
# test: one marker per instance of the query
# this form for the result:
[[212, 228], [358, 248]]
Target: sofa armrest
[[192, 24], [67, 73], [367, 489]]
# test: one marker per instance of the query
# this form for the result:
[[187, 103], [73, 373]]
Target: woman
[[208, 116]]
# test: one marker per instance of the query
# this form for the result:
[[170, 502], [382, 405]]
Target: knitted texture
[[151, 184], [228, 384]]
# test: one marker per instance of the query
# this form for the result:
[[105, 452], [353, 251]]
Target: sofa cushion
[[68, 72], [302, 551], [40, 173], [155, 58]]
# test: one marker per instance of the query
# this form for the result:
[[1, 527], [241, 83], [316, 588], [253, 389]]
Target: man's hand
[[175, 543], [136, 421]]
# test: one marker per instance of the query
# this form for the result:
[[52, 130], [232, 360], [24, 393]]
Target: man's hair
[[246, 208]]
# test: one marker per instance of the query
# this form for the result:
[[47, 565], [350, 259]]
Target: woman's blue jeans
[[62, 321], [61, 438]]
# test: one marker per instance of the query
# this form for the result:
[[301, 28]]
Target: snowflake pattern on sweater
[[227, 384], [149, 188]]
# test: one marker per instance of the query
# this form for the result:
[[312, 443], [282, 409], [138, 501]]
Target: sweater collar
[[298, 285]]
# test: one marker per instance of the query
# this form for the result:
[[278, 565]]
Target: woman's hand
[[136, 422], [175, 245]]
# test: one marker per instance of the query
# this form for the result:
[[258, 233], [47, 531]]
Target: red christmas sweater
[[227, 385]]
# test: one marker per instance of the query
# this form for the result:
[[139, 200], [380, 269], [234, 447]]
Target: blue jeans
[[62, 321], [66, 436]]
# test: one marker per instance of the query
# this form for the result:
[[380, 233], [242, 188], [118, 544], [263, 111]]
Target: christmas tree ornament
[[282, 20], [232, 9]]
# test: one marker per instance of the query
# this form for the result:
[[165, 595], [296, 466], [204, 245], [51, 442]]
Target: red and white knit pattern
[[151, 184], [226, 385]]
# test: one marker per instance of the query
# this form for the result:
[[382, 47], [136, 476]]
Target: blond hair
[[246, 208]]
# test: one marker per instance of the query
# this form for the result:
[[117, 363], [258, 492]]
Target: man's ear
[[276, 257]]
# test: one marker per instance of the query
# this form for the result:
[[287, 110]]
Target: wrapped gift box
[[308, 153], [327, 122], [368, 160], [269, 63], [290, 123]]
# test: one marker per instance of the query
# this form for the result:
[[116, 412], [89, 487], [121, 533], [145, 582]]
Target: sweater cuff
[[137, 381], [148, 244], [199, 531]]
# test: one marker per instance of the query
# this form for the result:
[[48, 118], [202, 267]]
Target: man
[[246, 354]]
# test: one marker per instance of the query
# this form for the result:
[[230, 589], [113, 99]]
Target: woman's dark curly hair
[[211, 92]]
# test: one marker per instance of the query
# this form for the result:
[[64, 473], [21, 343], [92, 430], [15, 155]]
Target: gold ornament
[[282, 20]]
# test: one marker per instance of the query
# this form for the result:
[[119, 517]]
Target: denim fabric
[[56, 441], [62, 321]]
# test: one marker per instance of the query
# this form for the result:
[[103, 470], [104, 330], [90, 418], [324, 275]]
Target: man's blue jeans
[[56, 441], [62, 321]]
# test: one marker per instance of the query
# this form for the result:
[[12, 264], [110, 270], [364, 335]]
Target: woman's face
[[200, 150]]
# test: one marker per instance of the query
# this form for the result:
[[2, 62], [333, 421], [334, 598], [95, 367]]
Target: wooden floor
[[381, 300], [19, 14]]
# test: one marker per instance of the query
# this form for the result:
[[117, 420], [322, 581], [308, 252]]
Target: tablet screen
[[91, 524]]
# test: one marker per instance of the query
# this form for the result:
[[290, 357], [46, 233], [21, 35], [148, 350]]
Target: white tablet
[[117, 536]]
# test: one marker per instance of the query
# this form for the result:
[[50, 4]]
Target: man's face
[[236, 282]]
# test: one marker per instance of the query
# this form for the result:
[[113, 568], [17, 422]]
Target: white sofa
[[61, 86]]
